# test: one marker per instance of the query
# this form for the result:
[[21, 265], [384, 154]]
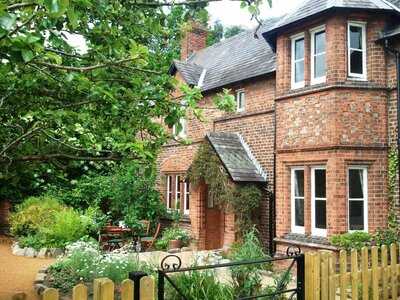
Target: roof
[[394, 32], [310, 8], [236, 157], [240, 57]]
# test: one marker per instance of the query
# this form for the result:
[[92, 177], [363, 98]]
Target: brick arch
[[177, 163]]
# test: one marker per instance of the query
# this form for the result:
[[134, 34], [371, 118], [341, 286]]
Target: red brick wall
[[337, 124], [194, 39], [336, 161], [255, 124], [392, 114]]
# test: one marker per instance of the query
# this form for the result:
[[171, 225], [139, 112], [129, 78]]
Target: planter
[[174, 244]]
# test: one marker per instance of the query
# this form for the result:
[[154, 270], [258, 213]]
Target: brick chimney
[[194, 39]]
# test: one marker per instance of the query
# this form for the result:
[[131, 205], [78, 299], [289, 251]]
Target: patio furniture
[[148, 241], [112, 237]]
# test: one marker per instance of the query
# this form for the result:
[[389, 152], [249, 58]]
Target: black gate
[[172, 264]]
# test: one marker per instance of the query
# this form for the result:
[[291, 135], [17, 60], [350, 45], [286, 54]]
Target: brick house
[[316, 116]]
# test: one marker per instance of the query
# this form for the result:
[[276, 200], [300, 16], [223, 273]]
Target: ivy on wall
[[392, 178], [240, 199]]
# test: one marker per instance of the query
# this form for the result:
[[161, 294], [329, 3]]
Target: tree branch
[[20, 5], [19, 139], [63, 156], [64, 53], [71, 146], [84, 69], [173, 3], [16, 29]]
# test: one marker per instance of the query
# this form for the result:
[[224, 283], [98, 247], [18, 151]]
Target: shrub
[[199, 285], [352, 240], [173, 233], [44, 222], [68, 226], [32, 214], [247, 279], [386, 236]]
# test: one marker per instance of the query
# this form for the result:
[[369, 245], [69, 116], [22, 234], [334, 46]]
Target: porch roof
[[236, 156]]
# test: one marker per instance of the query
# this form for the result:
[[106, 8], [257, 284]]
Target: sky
[[230, 13]]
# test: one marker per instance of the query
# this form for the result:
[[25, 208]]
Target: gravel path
[[18, 273]]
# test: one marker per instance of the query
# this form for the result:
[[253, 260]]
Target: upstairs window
[[180, 131], [297, 203], [297, 61], [240, 101], [357, 45], [318, 55], [357, 196]]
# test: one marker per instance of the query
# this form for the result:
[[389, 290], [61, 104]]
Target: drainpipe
[[273, 205], [396, 53]]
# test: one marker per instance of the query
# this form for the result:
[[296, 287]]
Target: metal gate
[[171, 264]]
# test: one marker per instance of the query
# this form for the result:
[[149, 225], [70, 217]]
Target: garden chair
[[147, 242]]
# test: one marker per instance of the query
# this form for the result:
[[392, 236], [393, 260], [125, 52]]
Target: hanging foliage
[[392, 178], [240, 199]]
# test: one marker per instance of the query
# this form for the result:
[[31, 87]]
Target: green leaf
[[27, 55], [72, 18], [7, 21], [56, 7]]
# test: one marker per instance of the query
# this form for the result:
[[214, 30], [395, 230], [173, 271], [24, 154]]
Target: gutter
[[396, 53]]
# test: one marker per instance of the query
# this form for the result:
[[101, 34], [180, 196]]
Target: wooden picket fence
[[103, 289], [372, 273]]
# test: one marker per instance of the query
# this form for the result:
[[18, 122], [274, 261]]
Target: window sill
[[302, 240]]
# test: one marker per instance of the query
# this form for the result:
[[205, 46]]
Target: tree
[[232, 31], [62, 109], [215, 33]]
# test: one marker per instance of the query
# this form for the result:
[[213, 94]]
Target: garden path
[[18, 273]]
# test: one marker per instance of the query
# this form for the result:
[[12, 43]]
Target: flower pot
[[174, 244]]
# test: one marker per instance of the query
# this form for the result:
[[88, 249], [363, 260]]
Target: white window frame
[[317, 231], [294, 38], [186, 190], [361, 25], [169, 192], [313, 32], [183, 133], [365, 199], [177, 185], [295, 228], [238, 94]]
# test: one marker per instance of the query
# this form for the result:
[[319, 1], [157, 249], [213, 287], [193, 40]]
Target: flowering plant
[[83, 262]]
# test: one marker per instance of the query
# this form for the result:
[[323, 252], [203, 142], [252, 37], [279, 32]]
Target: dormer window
[[240, 101], [297, 61], [357, 45], [318, 55], [181, 130]]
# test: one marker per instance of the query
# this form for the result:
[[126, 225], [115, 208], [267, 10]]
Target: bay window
[[318, 55], [318, 198], [297, 68], [297, 202], [357, 47], [357, 198]]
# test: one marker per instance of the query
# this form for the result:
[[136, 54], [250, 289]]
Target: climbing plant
[[240, 199], [392, 178]]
